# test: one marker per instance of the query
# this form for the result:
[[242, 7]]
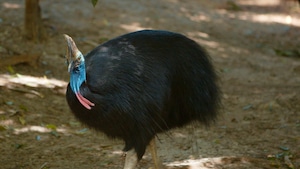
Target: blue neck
[[77, 77]]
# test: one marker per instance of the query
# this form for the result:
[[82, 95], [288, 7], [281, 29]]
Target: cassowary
[[140, 84]]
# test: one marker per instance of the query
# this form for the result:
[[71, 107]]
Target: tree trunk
[[34, 29]]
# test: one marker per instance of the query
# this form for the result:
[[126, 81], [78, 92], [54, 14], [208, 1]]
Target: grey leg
[[131, 159], [152, 146]]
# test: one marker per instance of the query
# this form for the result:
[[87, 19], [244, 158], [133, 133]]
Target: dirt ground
[[255, 47]]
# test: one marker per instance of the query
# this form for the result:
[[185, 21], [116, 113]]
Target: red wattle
[[85, 102]]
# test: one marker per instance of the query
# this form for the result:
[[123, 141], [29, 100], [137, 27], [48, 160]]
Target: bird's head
[[76, 68], [74, 56]]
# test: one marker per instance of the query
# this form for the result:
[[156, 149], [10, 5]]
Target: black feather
[[147, 82]]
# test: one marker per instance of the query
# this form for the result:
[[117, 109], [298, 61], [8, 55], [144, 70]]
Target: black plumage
[[144, 83]]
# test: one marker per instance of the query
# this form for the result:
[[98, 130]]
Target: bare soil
[[255, 47]]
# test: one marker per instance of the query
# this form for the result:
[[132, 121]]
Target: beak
[[73, 56]]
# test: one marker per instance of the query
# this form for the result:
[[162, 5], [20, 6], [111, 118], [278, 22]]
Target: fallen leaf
[[24, 108], [284, 148], [2, 128], [55, 133], [247, 107], [11, 70], [22, 120], [288, 162], [287, 53], [38, 138], [232, 6], [94, 2], [9, 103], [74, 124], [18, 146], [82, 131], [51, 127]]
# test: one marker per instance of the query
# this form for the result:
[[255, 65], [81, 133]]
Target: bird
[[142, 83]]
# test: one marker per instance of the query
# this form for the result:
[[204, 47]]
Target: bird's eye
[[76, 69]]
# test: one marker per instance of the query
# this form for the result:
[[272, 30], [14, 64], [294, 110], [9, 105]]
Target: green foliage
[[94, 2]]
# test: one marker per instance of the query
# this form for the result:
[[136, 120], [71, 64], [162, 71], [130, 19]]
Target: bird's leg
[[131, 159], [152, 146]]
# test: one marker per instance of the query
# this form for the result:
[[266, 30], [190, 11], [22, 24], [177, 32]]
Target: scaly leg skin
[[152, 146], [131, 159]]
